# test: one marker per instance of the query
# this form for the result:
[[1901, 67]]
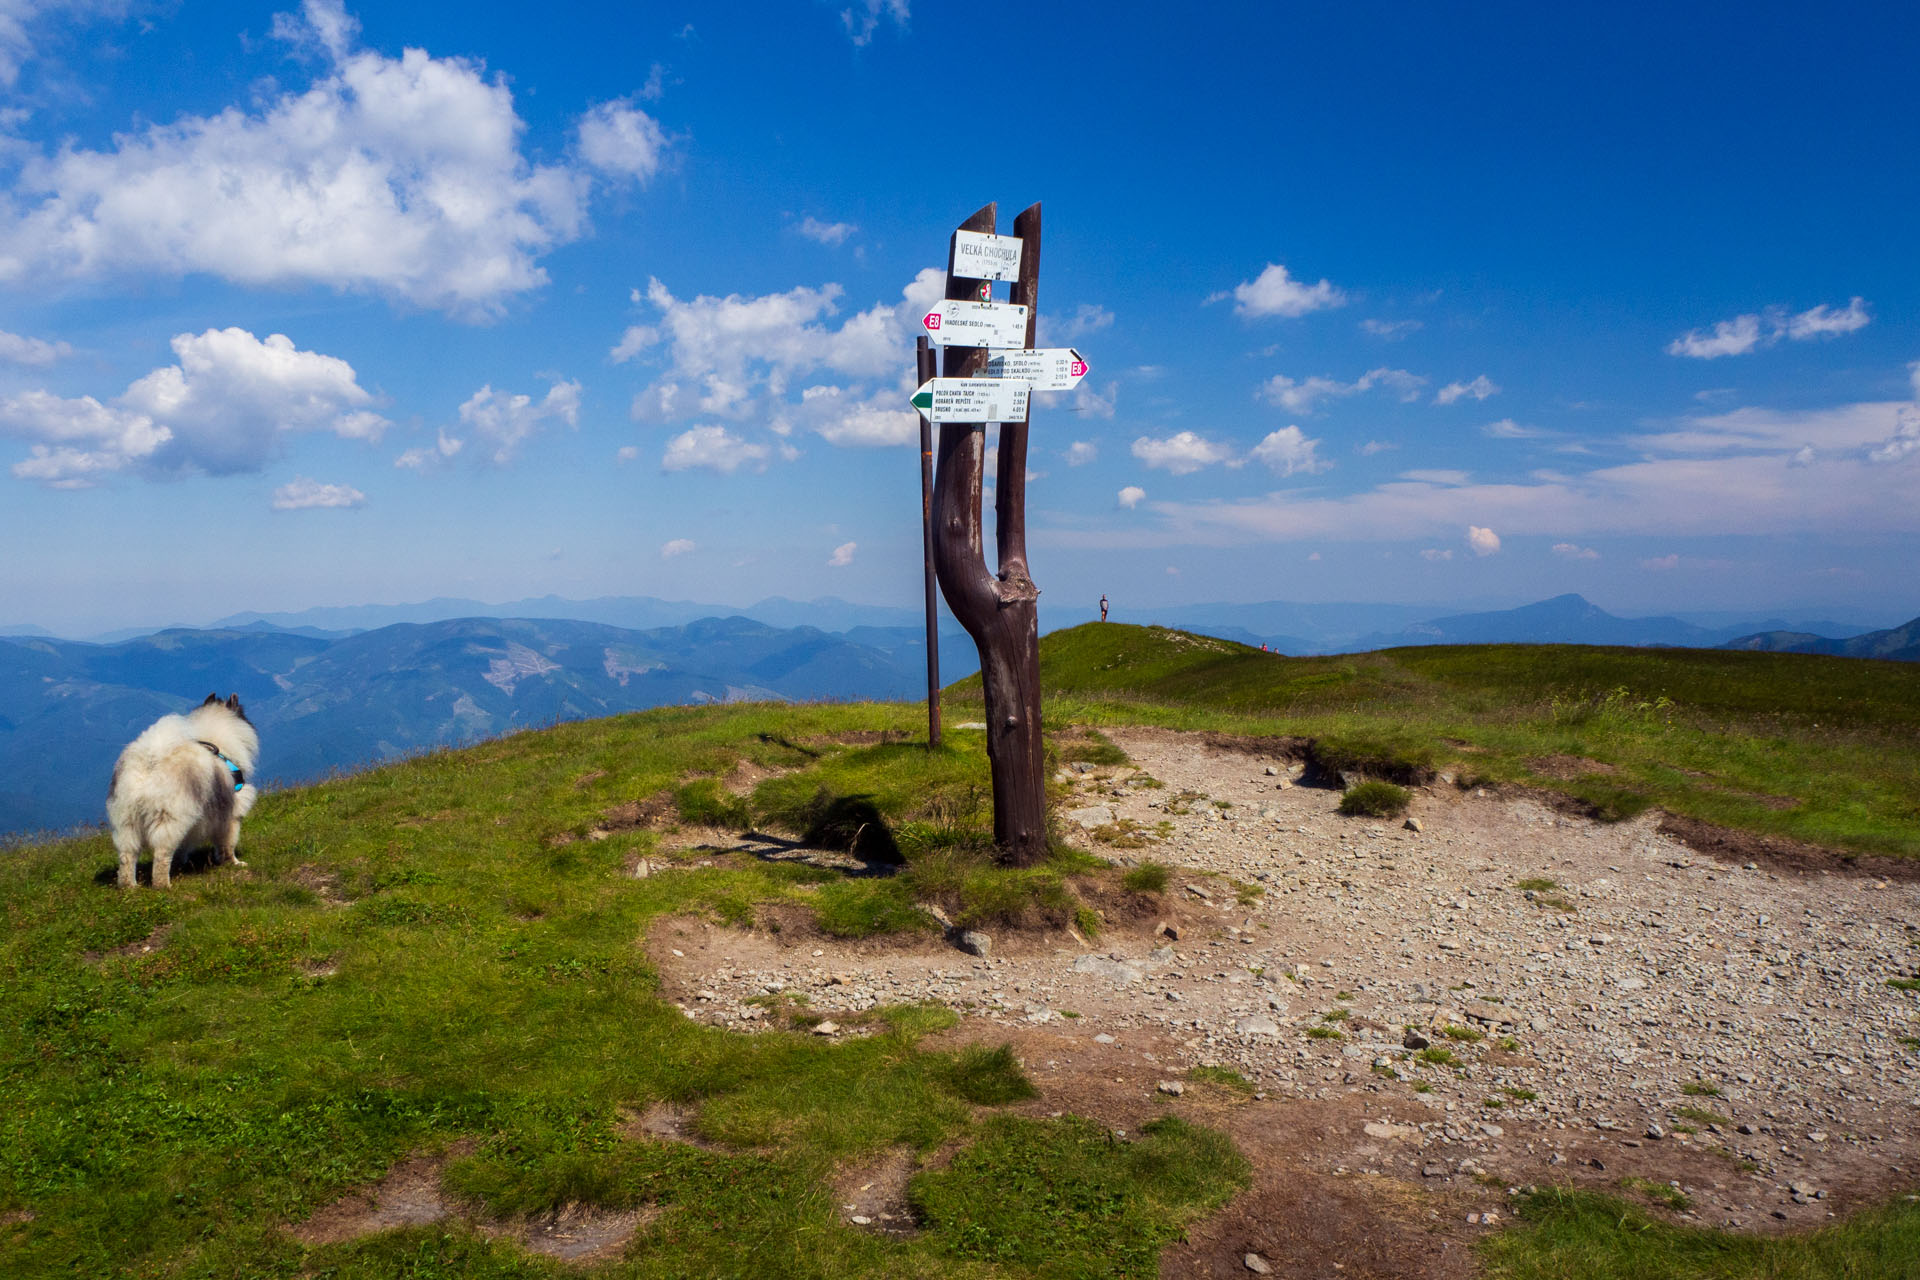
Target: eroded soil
[[1419, 1034]]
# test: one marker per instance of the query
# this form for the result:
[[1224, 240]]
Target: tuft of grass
[[1148, 877], [1323, 1033], [871, 905], [1700, 1089], [1518, 1094], [1375, 800], [1562, 1232], [1466, 1035], [705, 802], [1660, 1193], [1537, 884], [1904, 984], [1434, 1055], [1700, 1115], [988, 1077], [1223, 1078], [1090, 746], [1067, 1197], [1335, 1015]]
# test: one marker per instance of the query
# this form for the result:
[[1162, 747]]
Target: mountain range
[[323, 702], [1899, 644]]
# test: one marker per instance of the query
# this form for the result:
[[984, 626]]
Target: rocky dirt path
[[1653, 1019]]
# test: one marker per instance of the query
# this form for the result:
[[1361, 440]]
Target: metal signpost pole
[[924, 362]]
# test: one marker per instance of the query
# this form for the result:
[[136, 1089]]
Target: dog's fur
[[170, 793]]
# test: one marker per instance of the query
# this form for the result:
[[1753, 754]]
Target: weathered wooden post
[[998, 611]]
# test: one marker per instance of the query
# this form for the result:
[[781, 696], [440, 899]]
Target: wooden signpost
[[999, 610]]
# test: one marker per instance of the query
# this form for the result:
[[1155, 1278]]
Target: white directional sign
[[1046, 369], [979, 256], [971, 400], [958, 323]]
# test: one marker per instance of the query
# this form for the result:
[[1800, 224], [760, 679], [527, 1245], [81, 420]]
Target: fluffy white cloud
[[843, 418], [1391, 330], [676, 547], [1082, 320], [1573, 551], [1904, 441], [1182, 454], [1303, 397], [1289, 450], [444, 447], [1131, 496], [622, 141], [1436, 553], [843, 554], [1745, 333], [714, 449], [828, 233], [401, 176], [503, 420], [34, 351], [1479, 389], [863, 19], [1824, 322], [226, 407], [304, 494], [1508, 429], [1276, 293], [1483, 541], [17, 16], [1080, 453]]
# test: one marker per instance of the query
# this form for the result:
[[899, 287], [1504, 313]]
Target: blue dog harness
[[239, 774]]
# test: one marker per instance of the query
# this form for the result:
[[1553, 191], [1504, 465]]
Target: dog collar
[[239, 774]]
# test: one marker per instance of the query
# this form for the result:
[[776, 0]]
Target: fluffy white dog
[[182, 785]]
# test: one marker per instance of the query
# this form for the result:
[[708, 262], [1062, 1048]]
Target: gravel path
[[1651, 999]]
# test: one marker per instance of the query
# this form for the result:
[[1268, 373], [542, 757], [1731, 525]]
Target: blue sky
[[338, 305]]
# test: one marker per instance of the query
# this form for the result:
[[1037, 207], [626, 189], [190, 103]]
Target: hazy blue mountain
[[68, 707], [1568, 619], [1898, 644]]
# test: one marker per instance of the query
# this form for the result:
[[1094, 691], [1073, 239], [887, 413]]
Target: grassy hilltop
[[446, 951]]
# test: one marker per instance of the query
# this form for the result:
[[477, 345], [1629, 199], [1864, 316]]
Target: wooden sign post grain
[[998, 610]]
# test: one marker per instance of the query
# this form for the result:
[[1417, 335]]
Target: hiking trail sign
[[971, 400], [983, 257], [1047, 369], [960, 323]]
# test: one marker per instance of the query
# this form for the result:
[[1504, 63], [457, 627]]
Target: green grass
[[1375, 800], [1572, 1233], [1700, 1089], [433, 951], [1068, 1198], [1225, 1078], [1700, 1115], [1809, 747], [1148, 877], [1537, 884]]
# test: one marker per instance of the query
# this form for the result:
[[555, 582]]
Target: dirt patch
[[322, 883], [1568, 768], [587, 779], [154, 941], [581, 1234], [860, 738], [872, 1194], [1782, 854], [409, 1196], [654, 811], [15, 1218], [664, 1122]]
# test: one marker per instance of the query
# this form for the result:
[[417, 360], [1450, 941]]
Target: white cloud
[[33, 351], [863, 19], [444, 447], [1479, 389], [226, 407], [1733, 337], [1181, 454], [1131, 496], [626, 453], [676, 547], [1803, 457], [1275, 293], [1435, 553], [1437, 476], [401, 176], [622, 141], [1092, 403], [843, 555], [1391, 330], [1288, 450], [828, 233], [1080, 453], [504, 420], [1508, 429], [17, 16], [304, 495], [712, 448], [1745, 333], [1082, 320], [1824, 322], [1904, 441], [1483, 541], [1573, 551], [1372, 447], [1659, 564], [1303, 397]]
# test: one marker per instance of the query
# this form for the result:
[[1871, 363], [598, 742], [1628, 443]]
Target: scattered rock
[[1098, 815], [1253, 1261], [1256, 1025], [826, 1028], [974, 943], [1172, 1088], [1413, 824], [1414, 1040]]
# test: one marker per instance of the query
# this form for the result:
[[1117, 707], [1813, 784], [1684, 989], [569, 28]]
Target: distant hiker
[[1103, 608]]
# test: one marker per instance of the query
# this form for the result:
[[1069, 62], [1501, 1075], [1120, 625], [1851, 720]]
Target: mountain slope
[[1897, 644], [1567, 619]]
